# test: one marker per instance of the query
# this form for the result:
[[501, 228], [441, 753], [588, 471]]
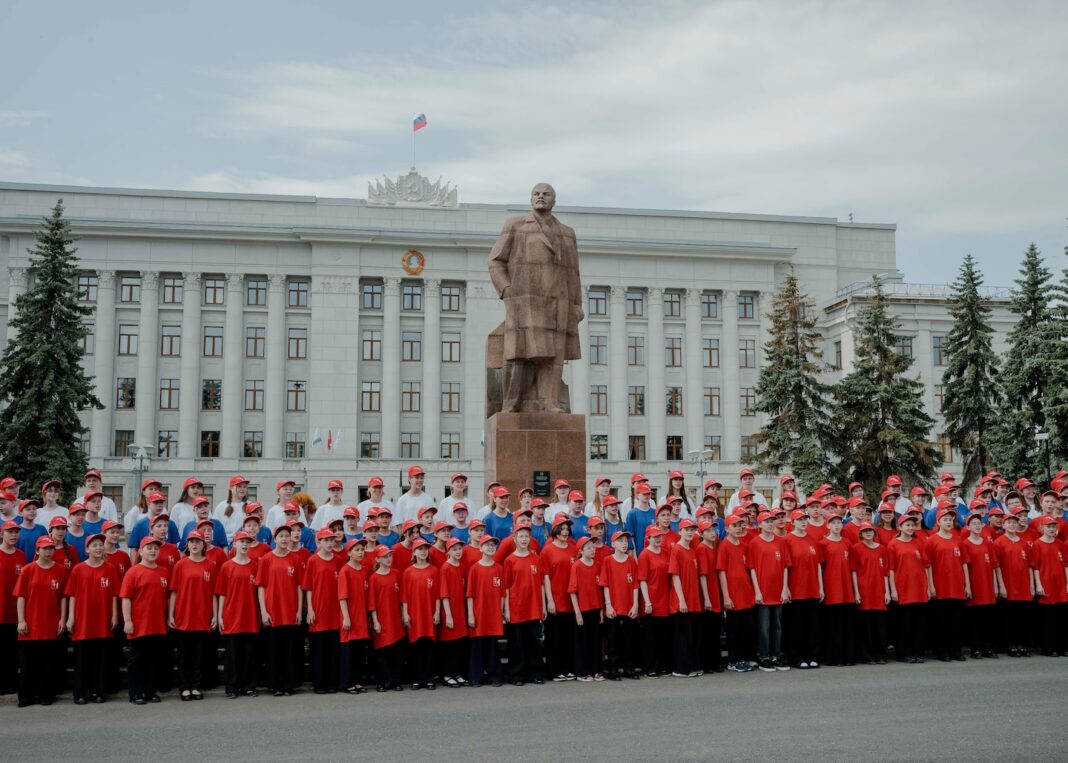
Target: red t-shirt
[[706, 568], [981, 565], [991, 533], [1049, 560], [883, 535], [93, 590], [469, 557], [240, 608], [65, 556], [730, 560], [582, 581], [523, 576], [168, 556], [279, 577], [451, 589], [193, 584], [1014, 560], [947, 566], [419, 590], [485, 590], [43, 590], [437, 557], [353, 587], [384, 601], [216, 556], [851, 533], [10, 568], [653, 569], [402, 558], [147, 591], [909, 565], [507, 548], [816, 532], [769, 559], [255, 552], [320, 579], [683, 565], [621, 580], [804, 567], [872, 567], [557, 562], [837, 573], [120, 560]]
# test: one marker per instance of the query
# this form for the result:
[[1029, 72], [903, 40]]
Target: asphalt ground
[[1008, 709]]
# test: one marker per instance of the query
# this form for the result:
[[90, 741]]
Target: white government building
[[231, 328]]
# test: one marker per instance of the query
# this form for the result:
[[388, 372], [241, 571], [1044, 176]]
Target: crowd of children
[[425, 595]]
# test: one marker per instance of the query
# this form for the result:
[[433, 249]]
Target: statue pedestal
[[519, 444]]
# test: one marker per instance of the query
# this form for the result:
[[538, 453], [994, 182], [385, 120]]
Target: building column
[[233, 351], [104, 368], [391, 362], [18, 281], [580, 368], [189, 384], [731, 395], [693, 393], [147, 362], [764, 300], [431, 403], [274, 401], [483, 310], [618, 446], [656, 397]]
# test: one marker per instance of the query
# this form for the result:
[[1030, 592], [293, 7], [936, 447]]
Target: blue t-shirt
[[263, 535], [307, 538], [391, 539], [27, 541], [428, 538], [217, 531], [462, 533], [637, 521], [77, 543], [348, 537], [540, 533], [141, 530], [578, 526], [499, 527], [610, 529], [92, 528]]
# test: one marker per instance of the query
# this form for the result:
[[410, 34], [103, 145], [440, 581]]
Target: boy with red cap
[[442, 533], [353, 589], [978, 554], [521, 518], [654, 581], [909, 588], [472, 550], [499, 522], [50, 508], [168, 552], [640, 516], [619, 582], [557, 558], [76, 533], [402, 551], [485, 618], [587, 603], [871, 587], [708, 643], [949, 583], [144, 613], [1016, 584], [421, 613], [453, 648], [839, 603], [801, 617], [11, 563], [745, 491], [320, 588], [63, 555], [92, 612], [1049, 560], [278, 579], [383, 519], [191, 614], [29, 529], [237, 617], [383, 602], [414, 500], [736, 589], [768, 560], [42, 618], [142, 528], [684, 600], [524, 610]]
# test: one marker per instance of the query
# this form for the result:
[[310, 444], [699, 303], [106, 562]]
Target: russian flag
[[419, 122]]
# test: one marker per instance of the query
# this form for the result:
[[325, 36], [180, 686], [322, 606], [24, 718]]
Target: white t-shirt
[[409, 506], [44, 516], [365, 506], [233, 523], [107, 508], [484, 512], [327, 513], [778, 498], [276, 515], [556, 508], [182, 514], [735, 501], [445, 509], [131, 518], [902, 505]]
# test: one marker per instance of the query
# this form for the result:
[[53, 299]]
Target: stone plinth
[[519, 444]]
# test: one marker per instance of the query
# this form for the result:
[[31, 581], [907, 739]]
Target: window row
[[213, 290], [598, 351], [411, 346], [411, 445], [674, 449], [170, 343], [634, 302], [904, 346], [672, 402], [411, 397], [210, 394], [412, 294]]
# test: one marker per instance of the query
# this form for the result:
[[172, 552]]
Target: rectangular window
[[747, 396], [173, 288], [673, 351], [256, 292], [450, 445], [674, 447], [597, 302], [837, 355], [370, 444], [635, 351], [636, 447], [450, 299], [710, 352], [450, 397], [635, 299], [748, 448], [945, 448], [411, 396], [83, 445], [746, 306], [674, 401], [711, 401], [635, 401], [254, 395], [903, 345], [89, 339], [170, 341], [412, 345], [938, 350], [713, 442], [214, 291], [295, 444], [372, 345], [371, 396], [130, 289], [211, 395], [940, 397], [213, 341], [371, 296], [672, 304], [252, 445], [255, 341], [168, 394], [123, 441], [298, 293], [598, 399], [127, 339], [409, 445], [450, 347], [209, 443], [298, 344], [87, 288], [709, 306], [296, 395], [598, 350], [747, 353], [598, 447], [126, 392], [167, 443], [411, 296]]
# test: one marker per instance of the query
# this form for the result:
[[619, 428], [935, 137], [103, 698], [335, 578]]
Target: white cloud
[[19, 118], [12, 159]]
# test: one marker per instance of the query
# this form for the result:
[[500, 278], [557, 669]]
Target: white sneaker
[[585, 679], [803, 666]]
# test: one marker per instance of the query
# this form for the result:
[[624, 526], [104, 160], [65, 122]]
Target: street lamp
[[700, 457], [144, 456], [1042, 438]]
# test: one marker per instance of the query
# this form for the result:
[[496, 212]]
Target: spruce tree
[[796, 435], [1055, 404], [881, 425], [42, 383], [1026, 373], [970, 380]]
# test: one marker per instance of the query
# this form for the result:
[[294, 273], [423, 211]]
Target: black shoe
[[98, 700], [251, 693], [431, 686], [279, 693], [476, 684], [538, 681], [977, 655], [321, 691], [615, 677], [231, 695], [155, 698], [958, 658], [398, 687], [382, 689], [517, 683], [139, 701], [496, 684], [197, 694], [416, 687], [28, 702], [187, 697], [81, 701]]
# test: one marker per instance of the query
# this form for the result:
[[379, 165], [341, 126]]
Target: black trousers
[[741, 635], [9, 668], [946, 617], [1053, 627], [38, 677], [242, 662], [909, 619], [683, 629], [285, 657], [454, 656], [587, 644], [324, 655], [485, 659], [524, 651], [656, 644], [559, 640], [353, 663], [115, 657], [621, 641], [90, 667], [801, 630], [979, 627], [839, 634], [144, 665], [708, 642], [1015, 618], [192, 655], [421, 659], [872, 626], [389, 661]]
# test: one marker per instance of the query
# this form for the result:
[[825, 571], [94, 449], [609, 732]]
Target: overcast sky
[[947, 118]]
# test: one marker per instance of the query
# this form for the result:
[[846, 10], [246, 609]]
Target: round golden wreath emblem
[[413, 262]]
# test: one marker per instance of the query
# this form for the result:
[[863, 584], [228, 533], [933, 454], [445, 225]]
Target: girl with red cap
[[92, 612], [421, 613], [619, 582], [524, 609], [909, 588], [1050, 563], [710, 621], [587, 603], [352, 591], [191, 614], [871, 588], [736, 589], [978, 554], [384, 606], [839, 602], [684, 599], [323, 613], [182, 511], [948, 575], [485, 613], [453, 649], [42, 618], [654, 582], [144, 613], [278, 579], [231, 512], [1016, 584], [557, 558], [237, 617], [677, 489], [801, 617]]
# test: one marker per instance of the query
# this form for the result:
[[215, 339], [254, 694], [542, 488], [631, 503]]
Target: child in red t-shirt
[[871, 588], [654, 580], [619, 582], [485, 617], [1049, 560], [42, 618], [587, 603], [453, 645], [524, 609], [684, 600], [839, 603], [978, 554], [144, 613], [909, 589], [557, 557], [801, 617], [12, 560], [708, 644], [92, 612], [383, 603], [323, 613], [736, 590], [278, 578], [191, 613], [421, 613], [238, 618], [1016, 584], [949, 583], [353, 589], [768, 560]]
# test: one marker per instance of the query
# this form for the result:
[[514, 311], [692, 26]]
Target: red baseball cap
[[561, 519], [459, 506], [76, 508], [797, 514], [408, 524], [242, 535], [745, 493], [619, 534], [149, 540], [10, 525], [652, 531], [609, 500], [324, 534], [334, 485], [788, 494], [426, 509], [381, 551], [237, 479], [893, 480], [291, 506], [583, 541], [57, 522], [190, 481], [1045, 519], [200, 500], [415, 470], [576, 495], [458, 476], [765, 516], [595, 522], [746, 472], [350, 511], [600, 480], [526, 490], [637, 477], [500, 492], [206, 523], [521, 512], [282, 483], [149, 482], [786, 478], [643, 488], [451, 542], [94, 473], [375, 482], [862, 526], [45, 542], [561, 483], [853, 485], [284, 526], [195, 535], [487, 539], [8, 482], [712, 483], [7, 495], [733, 519], [354, 542], [676, 474], [157, 498], [705, 525], [441, 525], [369, 525], [918, 490], [687, 523], [475, 524]]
